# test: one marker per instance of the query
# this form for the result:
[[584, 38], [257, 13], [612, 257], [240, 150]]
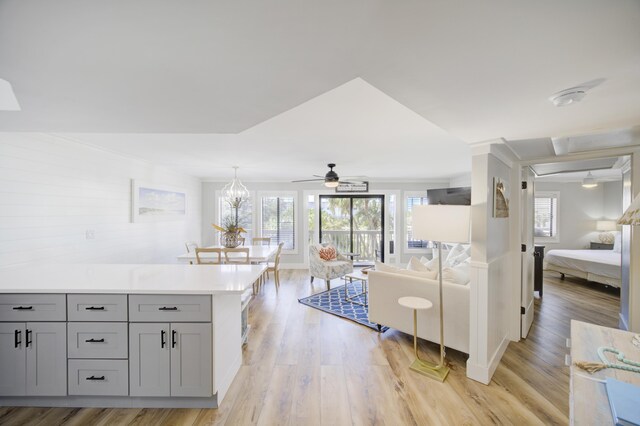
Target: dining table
[[257, 254]]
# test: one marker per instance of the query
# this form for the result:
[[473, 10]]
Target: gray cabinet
[[191, 362], [33, 359], [167, 359], [149, 359], [13, 359]]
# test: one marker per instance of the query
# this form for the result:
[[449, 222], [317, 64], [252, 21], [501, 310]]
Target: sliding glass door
[[354, 224]]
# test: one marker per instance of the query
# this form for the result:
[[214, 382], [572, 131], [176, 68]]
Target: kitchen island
[[113, 335]]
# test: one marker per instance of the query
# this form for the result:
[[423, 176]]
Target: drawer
[[97, 340], [33, 307], [97, 307], [98, 377], [169, 308]]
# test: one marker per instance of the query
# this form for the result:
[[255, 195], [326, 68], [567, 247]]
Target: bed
[[602, 266]]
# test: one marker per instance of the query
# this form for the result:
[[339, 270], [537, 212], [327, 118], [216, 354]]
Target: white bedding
[[605, 263]]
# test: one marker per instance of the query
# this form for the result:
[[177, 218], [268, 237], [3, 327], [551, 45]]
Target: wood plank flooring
[[305, 367]]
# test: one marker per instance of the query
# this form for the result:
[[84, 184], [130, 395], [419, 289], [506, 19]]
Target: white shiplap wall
[[53, 190]]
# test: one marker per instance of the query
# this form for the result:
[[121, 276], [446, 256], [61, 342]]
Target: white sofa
[[385, 288]]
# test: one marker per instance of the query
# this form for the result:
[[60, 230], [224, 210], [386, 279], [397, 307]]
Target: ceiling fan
[[331, 179]]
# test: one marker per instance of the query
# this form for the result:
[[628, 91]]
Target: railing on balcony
[[366, 243]]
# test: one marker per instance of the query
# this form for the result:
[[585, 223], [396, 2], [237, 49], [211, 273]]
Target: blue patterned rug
[[333, 302]]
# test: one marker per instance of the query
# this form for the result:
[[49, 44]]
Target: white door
[[191, 359], [527, 259], [149, 352], [13, 372], [46, 346]]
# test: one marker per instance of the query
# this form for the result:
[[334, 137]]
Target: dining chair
[[259, 241], [207, 261], [236, 259], [275, 266], [242, 240], [191, 246]]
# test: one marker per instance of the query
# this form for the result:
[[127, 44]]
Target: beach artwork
[[500, 198], [157, 203]]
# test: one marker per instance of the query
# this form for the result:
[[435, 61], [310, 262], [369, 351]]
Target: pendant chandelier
[[235, 192]]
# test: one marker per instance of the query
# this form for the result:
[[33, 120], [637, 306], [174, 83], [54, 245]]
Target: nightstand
[[600, 246]]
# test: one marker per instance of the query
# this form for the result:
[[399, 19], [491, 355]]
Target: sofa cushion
[[327, 253], [415, 265]]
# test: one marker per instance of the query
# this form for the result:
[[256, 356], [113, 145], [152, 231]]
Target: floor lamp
[[439, 223]]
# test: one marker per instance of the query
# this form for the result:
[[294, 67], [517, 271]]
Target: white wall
[[580, 208], [54, 190], [492, 257]]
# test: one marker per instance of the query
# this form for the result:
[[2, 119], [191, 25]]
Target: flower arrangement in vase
[[230, 232]]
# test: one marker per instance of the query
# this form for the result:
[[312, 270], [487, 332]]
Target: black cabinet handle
[[94, 308], [173, 338], [168, 308], [23, 308], [17, 338], [28, 333], [162, 341], [95, 341], [95, 378]]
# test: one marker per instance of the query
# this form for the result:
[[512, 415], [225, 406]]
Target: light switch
[[90, 234]]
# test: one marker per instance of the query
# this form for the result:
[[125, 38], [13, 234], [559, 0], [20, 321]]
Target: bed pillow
[[617, 243]]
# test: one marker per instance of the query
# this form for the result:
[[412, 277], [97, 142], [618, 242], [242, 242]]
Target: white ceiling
[[601, 176], [355, 125], [479, 70]]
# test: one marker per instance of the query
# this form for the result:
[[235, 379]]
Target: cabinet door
[[12, 359], [191, 360], [46, 346], [149, 352]]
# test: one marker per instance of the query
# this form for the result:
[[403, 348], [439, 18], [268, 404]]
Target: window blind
[[278, 220], [545, 216]]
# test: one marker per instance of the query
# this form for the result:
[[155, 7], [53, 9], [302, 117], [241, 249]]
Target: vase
[[230, 239]]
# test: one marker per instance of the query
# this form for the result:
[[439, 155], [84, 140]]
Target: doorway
[[354, 224]]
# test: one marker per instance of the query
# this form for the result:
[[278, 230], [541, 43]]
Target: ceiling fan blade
[[351, 182], [318, 176], [307, 180]]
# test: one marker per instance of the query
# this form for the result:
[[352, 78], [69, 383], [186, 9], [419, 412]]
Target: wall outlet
[[90, 234]]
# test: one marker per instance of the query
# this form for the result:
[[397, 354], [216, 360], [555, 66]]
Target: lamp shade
[[632, 215], [445, 223], [606, 225]]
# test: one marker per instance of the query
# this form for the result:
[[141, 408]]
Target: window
[[278, 220], [411, 201], [546, 216]]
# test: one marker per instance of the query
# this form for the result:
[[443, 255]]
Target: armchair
[[327, 269]]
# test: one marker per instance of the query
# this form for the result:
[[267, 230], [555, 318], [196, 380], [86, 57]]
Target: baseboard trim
[[108, 402], [483, 374]]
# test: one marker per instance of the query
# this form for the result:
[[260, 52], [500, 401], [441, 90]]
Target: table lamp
[[605, 227], [632, 215], [439, 223]]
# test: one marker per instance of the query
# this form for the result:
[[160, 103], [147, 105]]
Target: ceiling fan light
[[331, 183]]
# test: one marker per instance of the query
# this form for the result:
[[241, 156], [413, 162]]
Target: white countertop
[[129, 279]]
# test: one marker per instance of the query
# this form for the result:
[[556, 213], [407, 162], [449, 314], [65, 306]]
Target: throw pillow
[[386, 268], [458, 274], [327, 253], [416, 265]]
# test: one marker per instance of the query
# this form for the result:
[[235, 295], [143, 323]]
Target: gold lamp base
[[430, 370]]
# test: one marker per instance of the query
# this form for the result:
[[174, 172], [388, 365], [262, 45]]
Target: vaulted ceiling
[[477, 70]]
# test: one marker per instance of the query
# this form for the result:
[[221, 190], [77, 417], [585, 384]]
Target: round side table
[[423, 367]]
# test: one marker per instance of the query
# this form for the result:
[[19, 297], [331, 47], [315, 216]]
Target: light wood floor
[[306, 367]]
